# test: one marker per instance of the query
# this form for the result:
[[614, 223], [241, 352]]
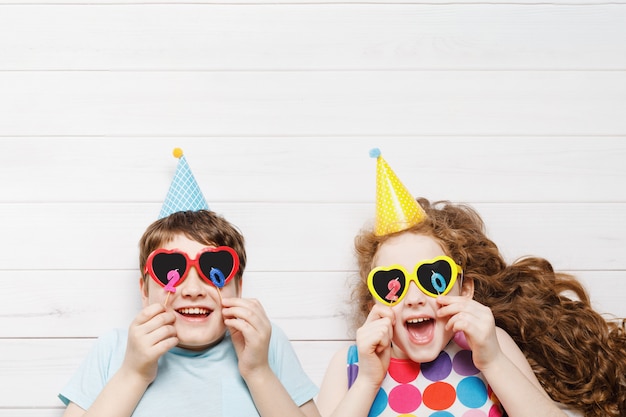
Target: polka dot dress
[[449, 386]]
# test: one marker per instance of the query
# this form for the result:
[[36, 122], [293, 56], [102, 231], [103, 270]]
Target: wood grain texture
[[323, 103], [314, 169], [516, 108], [382, 36]]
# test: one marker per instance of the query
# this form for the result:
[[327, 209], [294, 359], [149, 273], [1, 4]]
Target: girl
[[433, 288]]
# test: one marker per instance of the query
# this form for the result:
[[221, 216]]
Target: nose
[[414, 296], [193, 286]]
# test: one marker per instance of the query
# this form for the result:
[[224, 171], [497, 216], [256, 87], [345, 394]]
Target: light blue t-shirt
[[205, 383]]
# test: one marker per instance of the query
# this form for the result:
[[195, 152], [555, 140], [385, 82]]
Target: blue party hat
[[184, 193]]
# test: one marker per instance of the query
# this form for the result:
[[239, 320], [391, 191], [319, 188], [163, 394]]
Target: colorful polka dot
[[439, 396], [438, 369], [463, 363], [472, 392], [449, 386], [403, 371], [493, 398], [379, 404], [495, 411], [474, 413], [404, 398]]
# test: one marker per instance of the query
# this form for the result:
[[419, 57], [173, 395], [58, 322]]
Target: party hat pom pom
[[375, 153], [177, 152]]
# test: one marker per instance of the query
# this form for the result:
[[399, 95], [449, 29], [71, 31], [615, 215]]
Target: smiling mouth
[[420, 329], [418, 321], [194, 312]]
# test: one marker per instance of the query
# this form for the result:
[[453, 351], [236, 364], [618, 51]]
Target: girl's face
[[418, 333], [196, 304]]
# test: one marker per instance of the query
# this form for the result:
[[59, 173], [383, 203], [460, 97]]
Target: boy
[[196, 347]]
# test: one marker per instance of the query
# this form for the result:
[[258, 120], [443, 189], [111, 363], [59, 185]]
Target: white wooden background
[[518, 108]]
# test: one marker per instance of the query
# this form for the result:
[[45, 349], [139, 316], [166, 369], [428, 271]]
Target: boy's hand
[[478, 324], [373, 341], [250, 331], [150, 335]]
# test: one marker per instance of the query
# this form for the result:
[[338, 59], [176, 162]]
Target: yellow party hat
[[396, 209]]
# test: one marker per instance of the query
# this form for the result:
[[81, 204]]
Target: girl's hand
[[478, 324], [373, 341], [250, 331], [150, 335]]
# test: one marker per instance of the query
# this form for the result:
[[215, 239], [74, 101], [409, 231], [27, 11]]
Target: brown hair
[[578, 356], [206, 227]]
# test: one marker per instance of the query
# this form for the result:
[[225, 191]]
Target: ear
[[143, 288], [467, 287]]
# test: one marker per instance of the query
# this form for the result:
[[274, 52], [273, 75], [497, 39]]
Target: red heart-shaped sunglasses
[[215, 265]]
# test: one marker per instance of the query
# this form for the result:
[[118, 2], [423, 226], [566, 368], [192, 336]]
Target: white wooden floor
[[516, 108]]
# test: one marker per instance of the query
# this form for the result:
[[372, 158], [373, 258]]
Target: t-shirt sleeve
[[93, 373], [286, 365]]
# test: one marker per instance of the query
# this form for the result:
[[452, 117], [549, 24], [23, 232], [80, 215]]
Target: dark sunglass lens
[[435, 277], [389, 285], [164, 263], [217, 266]]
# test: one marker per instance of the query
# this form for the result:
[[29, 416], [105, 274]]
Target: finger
[[457, 322], [161, 333], [241, 302], [165, 343], [375, 336], [249, 303], [147, 320], [147, 313], [240, 313], [243, 334], [462, 304], [444, 300], [249, 310], [239, 325], [165, 318], [380, 311]]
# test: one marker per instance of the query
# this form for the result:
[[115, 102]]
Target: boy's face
[[418, 333], [196, 303]]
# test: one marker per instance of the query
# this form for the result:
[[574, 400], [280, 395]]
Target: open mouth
[[420, 329], [194, 312]]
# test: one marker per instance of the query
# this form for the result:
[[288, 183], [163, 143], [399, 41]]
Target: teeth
[[418, 320], [194, 310]]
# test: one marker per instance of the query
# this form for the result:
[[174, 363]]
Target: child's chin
[[197, 339], [199, 344], [424, 355], [424, 352]]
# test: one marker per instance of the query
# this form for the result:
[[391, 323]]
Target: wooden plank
[[316, 169], [373, 36], [36, 369], [330, 103], [306, 305], [576, 236], [606, 290], [306, 2], [75, 236]]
